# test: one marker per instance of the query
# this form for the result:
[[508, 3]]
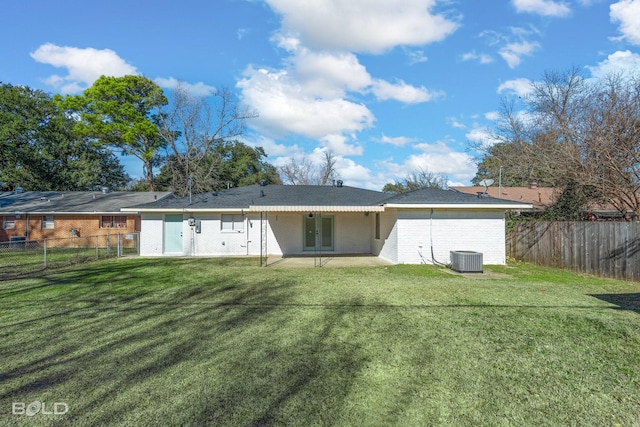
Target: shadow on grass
[[196, 355], [623, 301]]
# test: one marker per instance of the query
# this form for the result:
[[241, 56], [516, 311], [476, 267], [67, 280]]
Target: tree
[[579, 134], [202, 151], [420, 178], [303, 171], [41, 151], [122, 113]]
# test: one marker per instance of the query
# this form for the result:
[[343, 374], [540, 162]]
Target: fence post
[[119, 245], [45, 253], [97, 243]]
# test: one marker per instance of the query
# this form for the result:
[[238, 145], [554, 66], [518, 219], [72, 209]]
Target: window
[[378, 226], [8, 222], [113, 221], [47, 222], [233, 223]]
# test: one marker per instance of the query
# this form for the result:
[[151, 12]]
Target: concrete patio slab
[[326, 261]]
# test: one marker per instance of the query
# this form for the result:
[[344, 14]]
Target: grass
[[17, 262], [196, 342]]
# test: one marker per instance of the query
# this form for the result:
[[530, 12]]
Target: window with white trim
[[232, 223], [47, 222], [9, 222], [113, 221]]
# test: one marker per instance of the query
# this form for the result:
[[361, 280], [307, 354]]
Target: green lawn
[[194, 342]]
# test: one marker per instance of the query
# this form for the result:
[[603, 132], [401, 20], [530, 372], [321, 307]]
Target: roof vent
[[263, 182], [339, 183], [104, 190], [18, 190], [533, 185], [481, 194], [262, 193]]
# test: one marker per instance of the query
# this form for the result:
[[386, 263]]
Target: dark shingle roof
[[317, 195], [275, 195], [451, 197], [75, 201]]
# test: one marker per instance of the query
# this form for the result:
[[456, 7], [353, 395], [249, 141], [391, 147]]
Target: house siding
[[469, 230], [405, 235], [151, 235], [387, 246], [284, 235]]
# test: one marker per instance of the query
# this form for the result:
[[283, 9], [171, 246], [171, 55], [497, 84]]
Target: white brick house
[[412, 228]]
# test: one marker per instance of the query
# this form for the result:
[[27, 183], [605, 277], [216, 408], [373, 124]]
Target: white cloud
[[403, 92], [481, 58], [481, 136], [84, 65], [542, 7], [455, 123], [441, 159], [616, 63], [338, 145], [310, 95], [492, 115], [627, 13], [398, 141], [284, 107], [356, 175], [513, 52], [520, 87], [199, 89], [416, 56], [329, 75], [271, 147], [372, 26]]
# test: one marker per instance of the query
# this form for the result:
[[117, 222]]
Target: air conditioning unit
[[466, 261]]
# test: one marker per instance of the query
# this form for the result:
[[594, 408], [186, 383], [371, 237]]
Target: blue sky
[[389, 86]]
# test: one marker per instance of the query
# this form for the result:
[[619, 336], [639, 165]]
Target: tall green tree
[[41, 151], [122, 113], [576, 133]]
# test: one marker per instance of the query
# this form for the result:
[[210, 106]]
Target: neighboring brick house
[[37, 215], [541, 198]]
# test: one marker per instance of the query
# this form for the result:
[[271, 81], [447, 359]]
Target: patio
[[306, 261]]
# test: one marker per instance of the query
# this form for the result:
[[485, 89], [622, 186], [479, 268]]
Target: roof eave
[[315, 208], [457, 206]]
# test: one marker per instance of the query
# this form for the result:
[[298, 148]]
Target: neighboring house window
[[378, 226], [113, 221], [8, 222], [233, 223], [47, 222]]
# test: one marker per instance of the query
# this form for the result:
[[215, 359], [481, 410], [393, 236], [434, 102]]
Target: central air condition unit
[[466, 261]]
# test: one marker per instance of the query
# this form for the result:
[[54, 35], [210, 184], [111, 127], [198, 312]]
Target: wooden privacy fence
[[609, 249]]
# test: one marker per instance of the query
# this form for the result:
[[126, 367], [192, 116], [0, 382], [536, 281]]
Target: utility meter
[[192, 222]]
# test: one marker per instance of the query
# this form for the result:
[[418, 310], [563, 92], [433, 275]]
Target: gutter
[[458, 206]]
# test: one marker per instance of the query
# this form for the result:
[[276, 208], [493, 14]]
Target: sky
[[390, 87]]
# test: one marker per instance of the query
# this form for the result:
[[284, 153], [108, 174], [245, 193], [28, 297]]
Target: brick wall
[[87, 225]]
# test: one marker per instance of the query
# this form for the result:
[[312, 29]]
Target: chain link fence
[[20, 256]]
